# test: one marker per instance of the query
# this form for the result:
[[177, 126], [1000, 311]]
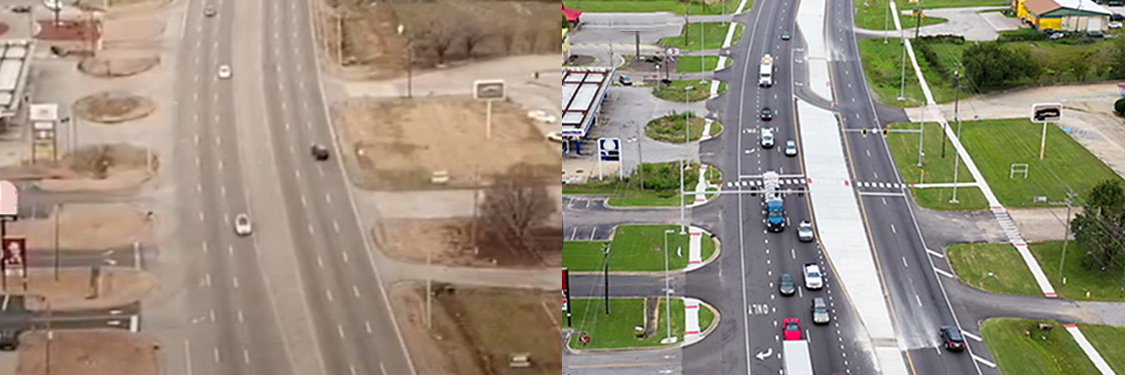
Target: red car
[[792, 328]]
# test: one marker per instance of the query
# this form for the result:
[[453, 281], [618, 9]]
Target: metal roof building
[[583, 89], [15, 61]]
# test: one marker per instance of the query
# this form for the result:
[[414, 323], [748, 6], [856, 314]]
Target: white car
[[813, 279], [242, 226], [224, 71], [767, 138], [790, 148], [1114, 25]]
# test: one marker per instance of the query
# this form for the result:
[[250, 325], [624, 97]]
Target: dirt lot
[[1042, 224], [450, 242], [92, 168], [441, 31], [86, 227], [93, 352], [115, 287], [113, 107], [400, 143], [493, 322]]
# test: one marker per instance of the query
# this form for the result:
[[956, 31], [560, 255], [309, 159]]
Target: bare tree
[[508, 38], [516, 204], [472, 35], [531, 36]]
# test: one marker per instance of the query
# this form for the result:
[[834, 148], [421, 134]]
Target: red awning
[[571, 14]]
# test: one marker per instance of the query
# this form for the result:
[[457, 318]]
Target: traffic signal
[[885, 131], [864, 132]]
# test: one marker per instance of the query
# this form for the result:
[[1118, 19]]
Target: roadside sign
[[1040, 199], [15, 250], [673, 51], [1046, 112], [609, 149], [489, 89], [9, 199]]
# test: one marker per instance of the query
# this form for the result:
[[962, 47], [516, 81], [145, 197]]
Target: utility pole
[[58, 211], [956, 166], [956, 106], [922, 135], [640, 159], [683, 162], [1066, 237], [886, 19], [902, 83], [667, 288], [606, 275], [409, 61], [918, 22]]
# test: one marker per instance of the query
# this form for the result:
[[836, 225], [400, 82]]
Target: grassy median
[[661, 181], [998, 268], [618, 329], [703, 36], [646, 6], [677, 91], [904, 147], [1020, 347], [634, 248], [691, 64]]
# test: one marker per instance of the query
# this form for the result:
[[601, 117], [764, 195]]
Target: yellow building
[[1067, 15]]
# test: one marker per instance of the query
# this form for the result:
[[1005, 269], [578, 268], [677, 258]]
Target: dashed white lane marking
[[217, 359], [329, 294], [340, 330], [367, 326], [355, 291]]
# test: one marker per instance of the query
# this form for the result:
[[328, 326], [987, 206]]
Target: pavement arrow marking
[[763, 355]]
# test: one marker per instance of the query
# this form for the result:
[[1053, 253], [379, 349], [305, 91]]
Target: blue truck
[[775, 204]]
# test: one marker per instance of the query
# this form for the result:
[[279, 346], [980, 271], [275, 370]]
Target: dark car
[[786, 285], [209, 12], [21, 9], [785, 35], [625, 80], [9, 340], [319, 152], [767, 113], [1117, 17], [1095, 34], [952, 339]]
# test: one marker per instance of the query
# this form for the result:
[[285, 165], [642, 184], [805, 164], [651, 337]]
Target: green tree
[[1081, 63], [1098, 229], [1119, 106], [992, 65], [1117, 58]]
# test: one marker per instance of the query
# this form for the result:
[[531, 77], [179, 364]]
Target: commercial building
[[584, 91], [1063, 15]]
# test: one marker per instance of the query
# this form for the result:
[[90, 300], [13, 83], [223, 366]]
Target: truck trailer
[[765, 74], [797, 359]]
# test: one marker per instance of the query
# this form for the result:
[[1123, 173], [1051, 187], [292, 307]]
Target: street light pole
[[683, 162], [886, 19], [606, 279], [667, 288], [409, 61], [1066, 237], [58, 211], [956, 166], [922, 134]]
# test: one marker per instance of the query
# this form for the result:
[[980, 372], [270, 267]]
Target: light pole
[[922, 134], [902, 82], [1066, 237], [956, 165], [886, 19], [606, 275], [683, 162], [409, 61], [667, 288], [58, 211]]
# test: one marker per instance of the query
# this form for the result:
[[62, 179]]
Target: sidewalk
[[997, 209]]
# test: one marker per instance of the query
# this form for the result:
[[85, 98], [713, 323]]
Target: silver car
[[805, 231], [242, 226], [820, 311], [790, 148]]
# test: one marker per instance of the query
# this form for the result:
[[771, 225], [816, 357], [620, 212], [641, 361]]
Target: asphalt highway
[[919, 302]]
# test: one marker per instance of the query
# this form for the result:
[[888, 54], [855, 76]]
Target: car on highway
[[9, 340], [820, 311], [952, 339], [784, 35], [224, 71], [790, 148], [209, 12], [805, 231], [319, 152], [242, 226], [767, 138], [766, 114], [786, 285], [625, 80], [792, 329], [813, 278]]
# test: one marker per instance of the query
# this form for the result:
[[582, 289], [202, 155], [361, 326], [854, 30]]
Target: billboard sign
[[1046, 112], [489, 89], [609, 149], [15, 250]]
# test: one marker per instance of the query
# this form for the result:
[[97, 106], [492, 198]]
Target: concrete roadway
[[748, 272], [919, 303]]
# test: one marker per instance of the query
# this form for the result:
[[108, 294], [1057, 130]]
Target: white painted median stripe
[[936, 254], [946, 274], [971, 336], [986, 363]]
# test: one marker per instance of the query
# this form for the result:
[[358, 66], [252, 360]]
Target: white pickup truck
[[765, 75]]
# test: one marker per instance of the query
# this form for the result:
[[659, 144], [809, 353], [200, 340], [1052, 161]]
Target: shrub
[[1119, 106]]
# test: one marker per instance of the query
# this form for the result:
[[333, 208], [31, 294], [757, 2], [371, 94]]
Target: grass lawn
[[644, 6], [996, 144], [1107, 340], [706, 317], [670, 128], [690, 64], [676, 90], [872, 14], [1051, 352], [968, 198], [1079, 280], [627, 192], [633, 249], [712, 36], [722, 87], [618, 329], [904, 147], [974, 262], [716, 128], [882, 65]]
